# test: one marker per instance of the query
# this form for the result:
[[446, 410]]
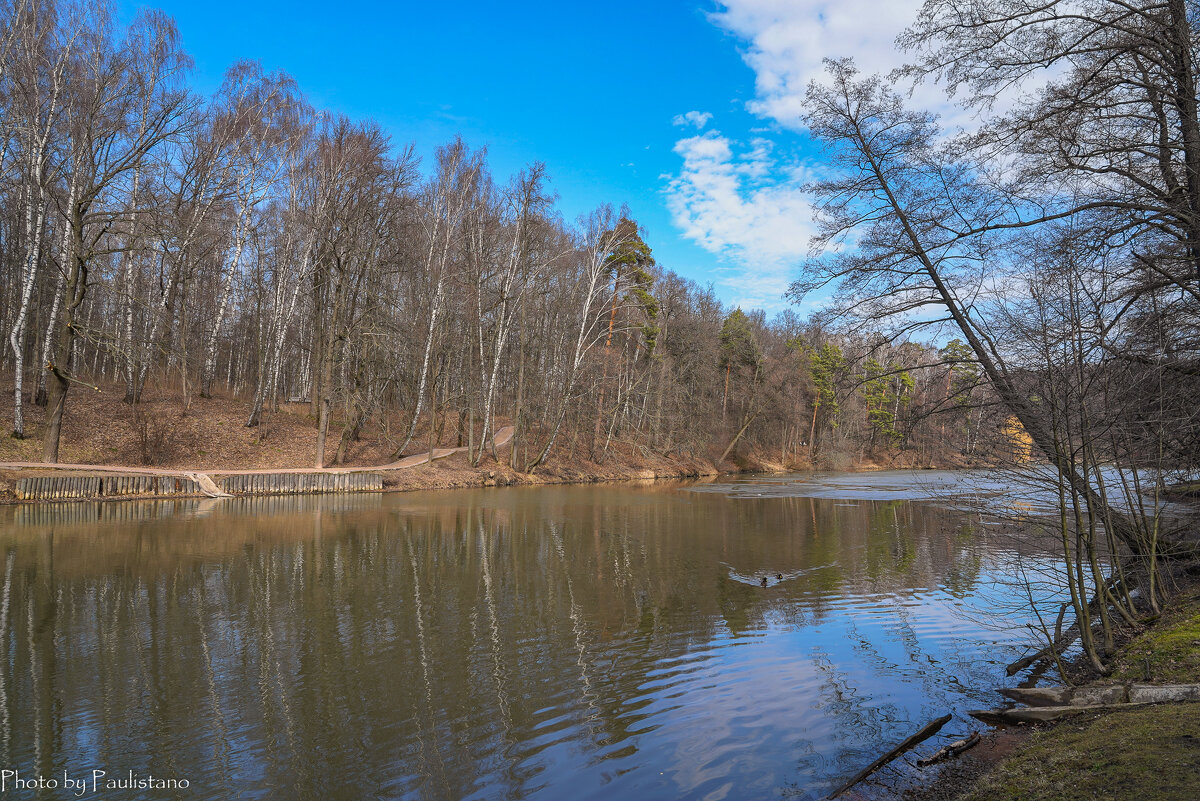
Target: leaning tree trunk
[[737, 436], [433, 317]]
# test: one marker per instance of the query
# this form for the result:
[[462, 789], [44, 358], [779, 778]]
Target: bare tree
[[928, 233], [253, 110], [110, 79], [449, 194]]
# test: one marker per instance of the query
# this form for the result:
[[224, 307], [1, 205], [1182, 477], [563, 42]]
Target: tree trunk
[[322, 430], [33, 232], [59, 370], [210, 348], [725, 395], [738, 436]]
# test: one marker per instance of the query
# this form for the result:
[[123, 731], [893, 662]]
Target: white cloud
[[696, 118], [739, 201], [787, 41], [728, 202]]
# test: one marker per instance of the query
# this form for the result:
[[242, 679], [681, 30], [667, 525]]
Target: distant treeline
[[249, 244]]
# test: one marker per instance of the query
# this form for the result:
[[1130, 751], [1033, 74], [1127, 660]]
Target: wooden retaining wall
[[300, 483], [67, 488], [71, 488]]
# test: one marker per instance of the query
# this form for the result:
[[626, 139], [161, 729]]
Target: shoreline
[[413, 473], [1142, 750], [444, 474], [484, 476]]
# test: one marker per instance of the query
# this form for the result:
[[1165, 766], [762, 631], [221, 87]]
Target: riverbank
[[448, 471], [1148, 753], [165, 437]]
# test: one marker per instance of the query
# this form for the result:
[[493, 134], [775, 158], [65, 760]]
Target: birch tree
[[252, 107], [449, 193]]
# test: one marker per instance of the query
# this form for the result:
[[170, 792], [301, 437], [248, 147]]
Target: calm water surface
[[542, 643]]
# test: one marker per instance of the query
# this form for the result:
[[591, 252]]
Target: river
[[581, 642]]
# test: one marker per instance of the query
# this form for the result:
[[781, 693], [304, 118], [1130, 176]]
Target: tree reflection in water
[[518, 643]]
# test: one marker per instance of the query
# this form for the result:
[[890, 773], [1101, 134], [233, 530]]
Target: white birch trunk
[[130, 294], [583, 343], [16, 339], [210, 348], [60, 287]]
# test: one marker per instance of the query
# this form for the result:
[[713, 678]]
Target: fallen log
[[952, 750], [208, 486], [927, 731], [1162, 693], [1041, 714], [1102, 694], [1067, 696], [1038, 696]]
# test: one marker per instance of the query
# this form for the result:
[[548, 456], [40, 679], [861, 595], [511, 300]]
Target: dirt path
[[502, 438]]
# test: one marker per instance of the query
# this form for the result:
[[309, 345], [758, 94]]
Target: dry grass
[[1149, 754], [210, 434], [100, 428]]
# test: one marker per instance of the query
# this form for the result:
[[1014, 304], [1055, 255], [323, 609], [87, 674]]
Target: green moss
[[1169, 651], [1149, 754]]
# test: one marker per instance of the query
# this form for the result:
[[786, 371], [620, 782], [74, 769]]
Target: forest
[[251, 247]]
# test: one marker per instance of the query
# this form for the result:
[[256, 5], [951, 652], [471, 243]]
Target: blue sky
[[600, 92]]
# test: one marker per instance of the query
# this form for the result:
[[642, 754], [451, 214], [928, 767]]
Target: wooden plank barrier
[[67, 488], [58, 488]]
